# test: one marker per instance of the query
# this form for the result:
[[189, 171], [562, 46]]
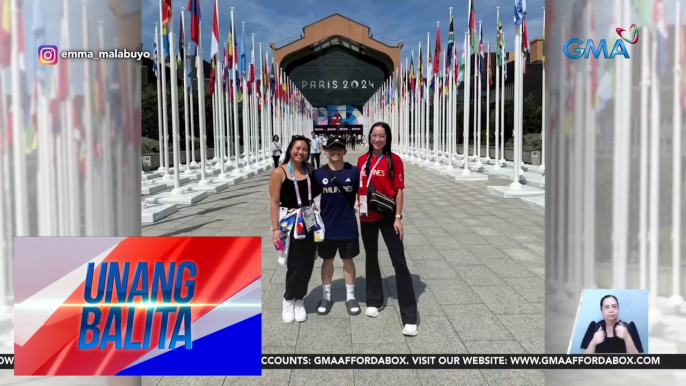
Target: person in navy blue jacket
[[338, 181]]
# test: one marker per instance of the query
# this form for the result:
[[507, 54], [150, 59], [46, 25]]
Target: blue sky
[[399, 20]]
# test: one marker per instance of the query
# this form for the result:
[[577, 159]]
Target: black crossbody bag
[[379, 202]]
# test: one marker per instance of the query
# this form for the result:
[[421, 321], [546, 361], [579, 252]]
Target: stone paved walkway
[[478, 269]]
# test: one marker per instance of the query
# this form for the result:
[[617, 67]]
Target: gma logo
[[618, 49]]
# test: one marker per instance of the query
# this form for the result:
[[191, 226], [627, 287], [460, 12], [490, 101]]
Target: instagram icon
[[47, 55]]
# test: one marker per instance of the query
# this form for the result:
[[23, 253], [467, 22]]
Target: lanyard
[[371, 172], [295, 183]]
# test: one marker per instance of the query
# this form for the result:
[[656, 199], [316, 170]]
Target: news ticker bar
[[459, 361], [469, 361]]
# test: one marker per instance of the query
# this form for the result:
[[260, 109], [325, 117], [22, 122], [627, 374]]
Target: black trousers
[[314, 160], [276, 160], [403, 279], [301, 256], [353, 144]]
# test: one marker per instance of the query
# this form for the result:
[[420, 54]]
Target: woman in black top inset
[[611, 335], [294, 173]]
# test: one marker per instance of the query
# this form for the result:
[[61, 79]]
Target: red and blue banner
[[138, 306]]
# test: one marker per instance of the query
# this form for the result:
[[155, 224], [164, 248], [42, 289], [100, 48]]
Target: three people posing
[[377, 182]]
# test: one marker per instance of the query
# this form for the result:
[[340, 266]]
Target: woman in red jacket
[[380, 199]]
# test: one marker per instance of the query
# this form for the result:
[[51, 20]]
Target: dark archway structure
[[337, 61]]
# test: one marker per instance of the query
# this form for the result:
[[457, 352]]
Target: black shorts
[[347, 249]]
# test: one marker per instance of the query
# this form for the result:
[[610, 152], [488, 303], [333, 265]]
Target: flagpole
[[261, 111], [185, 94], [476, 75], [450, 127], [478, 136], [192, 116], [497, 98], [676, 298], [88, 121], [643, 168], [488, 105], [164, 148], [159, 99], [20, 190], [466, 105], [541, 168], [516, 185], [234, 93], [502, 104], [426, 95], [654, 208], [226, 145], [177, 191], [201, 111], [253, 105]]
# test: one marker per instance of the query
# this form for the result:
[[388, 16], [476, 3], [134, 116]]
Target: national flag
[[272, 78], [519, 11], [644, 10], [437, 51], [472, 29], [181, 53], [500, 43], [451, 42], [525, 46], [482, 65], [543, 44], [63, 65], [243, 56], [155, 54], [5, 34], [31, 131], [214, 48], [489, 72], [661, 36], [39, 39], [194, 9], [166, 18], [429, 70], [420, 74], [252, 65], [460, 76], [212, 76], [99, 85], [232, 48], [411, 74]]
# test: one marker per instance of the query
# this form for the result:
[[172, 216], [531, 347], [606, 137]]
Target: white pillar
[[676, 298], [201, 113]]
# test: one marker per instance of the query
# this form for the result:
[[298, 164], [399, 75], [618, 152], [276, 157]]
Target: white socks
[[327, 291], [349, 291]]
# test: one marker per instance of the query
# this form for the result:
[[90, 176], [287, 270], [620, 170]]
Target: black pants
[[353, 144], [276, 160], [314, 160], [301, 256], [403, 279]]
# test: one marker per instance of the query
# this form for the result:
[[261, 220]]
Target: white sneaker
[[372, 312], [300, 313], [410, 330], [287, 314]]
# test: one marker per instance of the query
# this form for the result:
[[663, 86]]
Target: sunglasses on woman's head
[[301, 138]]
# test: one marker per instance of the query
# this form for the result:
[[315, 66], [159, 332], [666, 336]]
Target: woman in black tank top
[[294, 173]]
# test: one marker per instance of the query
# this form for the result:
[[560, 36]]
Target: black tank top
[[288, 197]]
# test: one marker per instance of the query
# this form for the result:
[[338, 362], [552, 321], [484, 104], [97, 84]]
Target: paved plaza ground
[[477, 262]]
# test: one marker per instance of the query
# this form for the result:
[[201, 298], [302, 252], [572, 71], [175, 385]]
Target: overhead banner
[[339, 115], [138, 306]]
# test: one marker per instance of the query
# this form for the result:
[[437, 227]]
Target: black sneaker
[[353, 307], [324, 306]]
